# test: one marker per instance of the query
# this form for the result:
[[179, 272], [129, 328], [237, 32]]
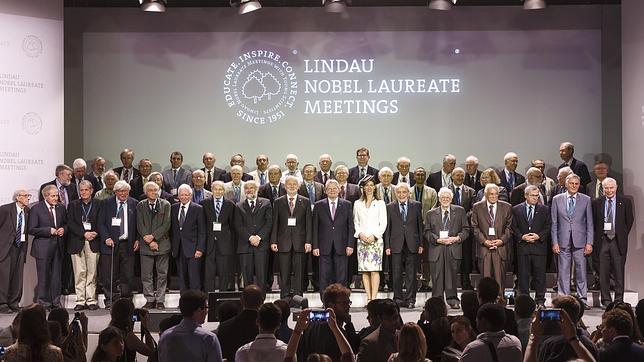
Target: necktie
[[511, 181], [237, 193], [291, 205], [182, 216], [19, 229], [197, 196], [530, 215], [217, 208], [325, 178], [274, 192], [609, 218], [362, 172], [600, 192], [151, 205], [419, 193], [342, 192], [209, 178], [403, 212], [403, 179], [52, 213], [174, 178], [78, 181], [100, 180], [491, 214], [311, 191], [61, 195], [252, 206], [457, 196], [386, 196], [445, 219], [571, 206], [120, 215], [126, 174], [332, 210], [262, 178]]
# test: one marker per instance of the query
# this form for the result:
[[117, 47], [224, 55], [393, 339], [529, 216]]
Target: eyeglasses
[[25, 195]]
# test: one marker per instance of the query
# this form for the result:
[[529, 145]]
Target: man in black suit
[[404, 243], [473, 174], [253, 222], [221, 241], [118, 236], [126, 172], [464, 196], [362, 169], [325, 172], [212, 172], [613, 220], [442, 178], [566, 152], [62, 182], [98, 169], [534, 177], [333, 239], [531, 223], [273, 188], [14, 221], [83, 245], [137, 183], [619, 346], [509, 177], [79, 171], [48, 225], [242, 328], [236, 160], [291, 236], [188, 230], [348, 190], [403, 174], [314, 191]]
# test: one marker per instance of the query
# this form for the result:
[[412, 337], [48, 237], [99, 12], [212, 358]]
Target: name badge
[[173, 191], [291, 221], [88, 226], [443, 234], [216, 226], [608, 226], [116, 221], [23, 237], [491, 232]]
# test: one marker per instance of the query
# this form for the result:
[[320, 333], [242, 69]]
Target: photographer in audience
[[74, 335], [122, 314], [110, 345]]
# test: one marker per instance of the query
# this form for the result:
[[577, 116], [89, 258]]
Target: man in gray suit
[[446, 227], [572, 235], [175, 175], [153, 227], [234, 189], [385, 189]]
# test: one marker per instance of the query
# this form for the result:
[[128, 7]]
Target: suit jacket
[[258, 222], [318, 191], [189, 238], [435, 180], [407, 233], [518, 180], [236, 332], [502, 226], [223, 242], [266, 191], [380, 191], [76, 230], [580, 169], [354, 174], [623, 221], [376, 347], [164, 195], [292, 237], [8, 226], [71, 191], [99, 183], [622, 349], [517, 195], [184, 176], [136, 187], [204, 194], [473, 181], [135, 173], [255, 175], [541, 224], [351, 192], [89, 177], [217, 174], [226, 177], [410, 178], [155, 223], [562, 189], [504, 195], [580, 226], [428, 199], [591, 187], [40, 224], [106, 231], [456, 226], [337, 232], [468, 195], [229, 192], [318, 177]]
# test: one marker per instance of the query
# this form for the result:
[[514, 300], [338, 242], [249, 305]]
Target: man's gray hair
[[121, 185], [530, 188], [184, 187], [45, 191], [445, 191], [78, 163], [490, 186], [150, 184], [385, 170], [18, 192], [86, 183]]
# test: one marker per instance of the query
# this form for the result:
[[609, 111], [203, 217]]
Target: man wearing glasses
[[13, 250]]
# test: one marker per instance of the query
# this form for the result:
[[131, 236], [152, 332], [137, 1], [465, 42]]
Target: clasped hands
[[493, 244]]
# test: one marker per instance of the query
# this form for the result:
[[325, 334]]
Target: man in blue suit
[[118, 236], [333, 239], [188, 239], [572, 235]]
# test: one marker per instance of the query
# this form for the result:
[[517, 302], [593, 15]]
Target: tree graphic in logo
[[259, 85]]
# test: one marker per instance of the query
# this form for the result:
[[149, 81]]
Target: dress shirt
[[130, 175], [446, 178], [265, 347], [508, 348], [297, 174], [198, 195], [189, 341], [331, 206], [612, 211], [405, 177], [118, 204], [24, 218], [487, 210], [52, 212], [507, 177], [185, 209]]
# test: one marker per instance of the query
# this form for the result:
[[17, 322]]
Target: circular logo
[[32, 123], [32, 46], [260, 86]]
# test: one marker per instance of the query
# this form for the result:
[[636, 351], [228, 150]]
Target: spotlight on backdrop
[[441, 4], [246, 6], [335, 6], [534, 4], [153, 6]]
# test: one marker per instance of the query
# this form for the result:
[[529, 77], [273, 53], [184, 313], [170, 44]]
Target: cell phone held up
[[550, 315], [136, 316], [319, 316]]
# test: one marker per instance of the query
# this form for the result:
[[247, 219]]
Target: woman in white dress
[[370, 220]]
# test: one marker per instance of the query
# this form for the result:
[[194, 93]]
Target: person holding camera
[[110, 346], [74, 334], [123, 317]]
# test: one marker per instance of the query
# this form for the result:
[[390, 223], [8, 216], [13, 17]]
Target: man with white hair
[[14, 218], [472, 173], [613, 219], [533, 177], [442, 178], [233, 189], [561, 182], [236, 160], [403, 174], [385, 189], [66, 191], [79, 167], [509, 176], [348, 191], [566, 152], [119, 241], [109, 180], [98, 168], [292, 169], [325, 174], [199, 193]]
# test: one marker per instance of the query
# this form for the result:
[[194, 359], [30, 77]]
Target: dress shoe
[[149, 305], [92, 307], [411, 305], [15, 308], [160, 306], [586, 306], [108, 306], [79, 307], [594, 286]]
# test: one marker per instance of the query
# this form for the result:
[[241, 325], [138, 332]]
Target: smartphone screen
[[318, 315], [550, 315]]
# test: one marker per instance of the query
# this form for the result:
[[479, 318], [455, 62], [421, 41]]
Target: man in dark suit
[[14, 221], [66, 191], [566, 152], [48, 225], [534, 177], [310, 188], [464, 197], [253, 221], [98, 169], [273, 188], [348, 190], [442, 178], [83, 245], [221, 241], [137, 183], [291, 236], [176, 175], [126, 172], [491, 225], [236, 160], [212, 172], [473, 174], [362, 169], [445, 229], [333, 239], [188, 227], [403, 175], [325, 172], [157, 178], [619, 346], [381, 343], [79, 171], [613, 220], [242, 328], [509, 176], [404, 243], [118, 236], [531, 224]]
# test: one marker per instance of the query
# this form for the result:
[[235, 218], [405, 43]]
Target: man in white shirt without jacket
[[265, 347]]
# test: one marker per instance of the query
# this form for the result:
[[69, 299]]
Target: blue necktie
[[217, 208], [262, 179], [445, 219], [311, 193], [119, 213], [386, 198], [237, 193], [571, 206], [530, 215], [511, 181], [457, 196], [403, 212], [19, 229]]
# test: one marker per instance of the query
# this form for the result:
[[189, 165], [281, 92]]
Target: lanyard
[[86, 212]]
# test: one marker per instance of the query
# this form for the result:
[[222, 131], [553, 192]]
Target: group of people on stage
[[219, 225]]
